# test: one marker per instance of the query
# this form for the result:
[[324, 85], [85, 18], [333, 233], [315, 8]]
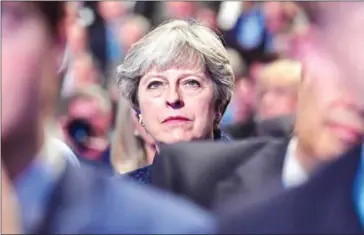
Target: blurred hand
[[10, 218]]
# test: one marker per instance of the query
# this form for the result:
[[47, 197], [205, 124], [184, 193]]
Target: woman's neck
[[150, 151]]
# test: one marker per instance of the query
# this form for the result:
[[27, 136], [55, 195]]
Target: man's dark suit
[[259, 177], [322, 205], [193, 170], [85, 202], [279, 127]]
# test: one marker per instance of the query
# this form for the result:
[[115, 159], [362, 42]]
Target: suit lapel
[[336, 183], [265, 169]]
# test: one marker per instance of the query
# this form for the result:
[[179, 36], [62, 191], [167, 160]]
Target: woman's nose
[[174, 99]]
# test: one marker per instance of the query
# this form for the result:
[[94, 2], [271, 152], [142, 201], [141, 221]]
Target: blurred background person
[[71, 13], [177, 101], [247, 101], [248, 34], [83, 71], [278, 23], [239, 69], [208, 17], [131, 147], [133, 29], [113, 14], [277, 89], [182, 10], [238, 118], [338, 185], [87, 125], [77, 38]]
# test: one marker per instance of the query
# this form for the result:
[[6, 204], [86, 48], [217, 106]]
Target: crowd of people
[[182, 117], [100, 34]]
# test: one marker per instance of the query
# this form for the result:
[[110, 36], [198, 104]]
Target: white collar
[[293, 172]]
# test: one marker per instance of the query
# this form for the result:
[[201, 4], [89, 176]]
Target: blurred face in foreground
[[31, 56], [331, 98]]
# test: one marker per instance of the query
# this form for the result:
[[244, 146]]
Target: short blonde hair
[[282, 72], [177, 43]]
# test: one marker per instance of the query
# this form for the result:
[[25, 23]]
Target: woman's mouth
[[173, 120]]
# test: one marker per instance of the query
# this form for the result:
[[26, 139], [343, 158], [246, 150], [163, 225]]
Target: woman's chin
[[176, 139]]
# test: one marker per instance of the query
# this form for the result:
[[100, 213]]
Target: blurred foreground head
[[33, 45], [331, 98], [337, 31]]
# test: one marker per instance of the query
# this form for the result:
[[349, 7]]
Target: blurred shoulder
[[139, 208], [304, 205], [66, 151], [97, 204]]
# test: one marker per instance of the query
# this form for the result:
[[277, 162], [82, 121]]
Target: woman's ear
[[139, 116], [137, 113], [219, 110]]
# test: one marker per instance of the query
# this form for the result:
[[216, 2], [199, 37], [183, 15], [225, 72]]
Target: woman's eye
[[193, 83], [154, 85]]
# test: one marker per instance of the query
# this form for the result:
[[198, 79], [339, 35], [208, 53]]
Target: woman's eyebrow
[[148, 77], [198, 74], [152, 76]]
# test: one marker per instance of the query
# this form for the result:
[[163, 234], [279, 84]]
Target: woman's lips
[[176, 120]]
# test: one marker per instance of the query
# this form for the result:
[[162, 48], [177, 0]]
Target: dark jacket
[[86, 202], [258, 177], [280, 127], [324, 205], [194, 170], [143, 175]]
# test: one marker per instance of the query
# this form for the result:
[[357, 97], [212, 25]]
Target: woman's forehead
[[192, 66], [176, 71]]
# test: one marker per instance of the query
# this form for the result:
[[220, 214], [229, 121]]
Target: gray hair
[[173, 44]]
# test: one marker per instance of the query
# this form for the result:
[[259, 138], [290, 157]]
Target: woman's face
[[177, 104]]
